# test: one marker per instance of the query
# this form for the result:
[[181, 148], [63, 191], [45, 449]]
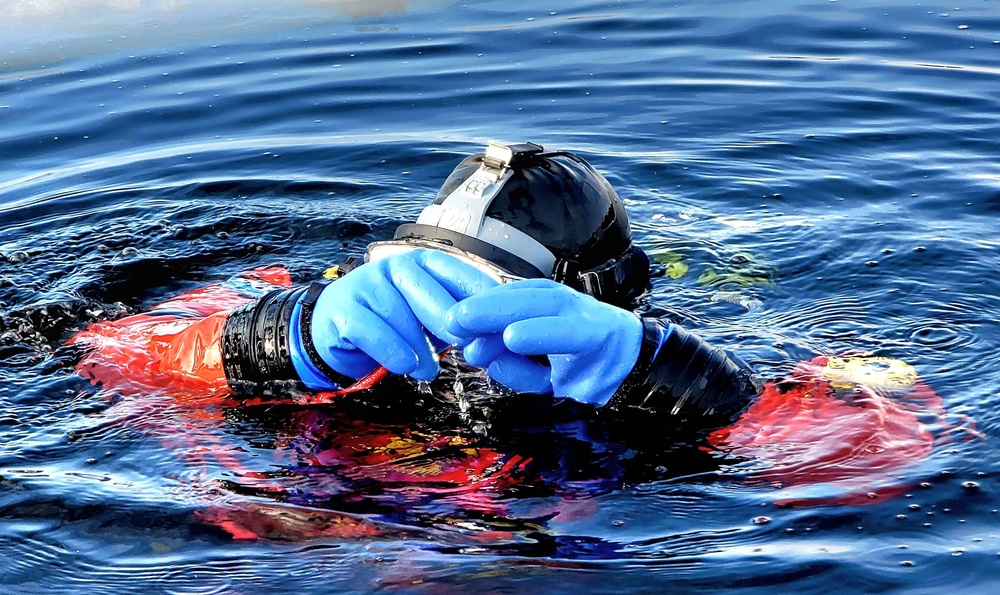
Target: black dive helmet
[[537, 214]]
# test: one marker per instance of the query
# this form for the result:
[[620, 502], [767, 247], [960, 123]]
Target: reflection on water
[[38, 32]]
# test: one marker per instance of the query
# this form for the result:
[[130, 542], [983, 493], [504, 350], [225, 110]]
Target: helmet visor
[[380, 250]]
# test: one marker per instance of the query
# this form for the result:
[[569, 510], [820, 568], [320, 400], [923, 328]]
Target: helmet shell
[[562, 202]]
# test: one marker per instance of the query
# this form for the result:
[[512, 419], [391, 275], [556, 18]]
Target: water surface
[[847, 150]]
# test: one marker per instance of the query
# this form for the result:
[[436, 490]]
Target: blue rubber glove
[[591, 346], [391, 313]]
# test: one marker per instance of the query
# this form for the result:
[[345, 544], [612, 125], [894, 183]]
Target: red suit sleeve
[[175, 348]]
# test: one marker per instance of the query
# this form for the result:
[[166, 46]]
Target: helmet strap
[[615, 280]]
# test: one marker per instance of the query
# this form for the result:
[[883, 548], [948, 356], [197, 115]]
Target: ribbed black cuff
[[684, 376], [255, 342]]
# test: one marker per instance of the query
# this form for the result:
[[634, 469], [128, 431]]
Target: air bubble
[[760, 520], [17, 256]]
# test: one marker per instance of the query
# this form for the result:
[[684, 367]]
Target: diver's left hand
[[590, 346], [390, 313]]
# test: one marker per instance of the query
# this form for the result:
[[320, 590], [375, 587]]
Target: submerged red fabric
[[849, 425]]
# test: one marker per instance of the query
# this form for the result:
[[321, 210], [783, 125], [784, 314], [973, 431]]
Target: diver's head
[[519, 212]]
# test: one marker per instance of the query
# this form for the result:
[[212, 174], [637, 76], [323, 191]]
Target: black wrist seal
[[312, 294], [255, 342], [685, 377]]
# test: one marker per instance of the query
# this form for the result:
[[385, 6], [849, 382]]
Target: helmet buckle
[[498, 158]]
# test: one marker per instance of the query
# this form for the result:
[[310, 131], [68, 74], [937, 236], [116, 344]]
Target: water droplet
[[871, 263], [906, 563], [130, 251], [914, 507], [760, 520], [618, 523], [919, 249], [887, 251], [963, 27], [970, 485], [901, 517], [222, 235], [17, 256], [91, 461], [660, 469], [925, 484]]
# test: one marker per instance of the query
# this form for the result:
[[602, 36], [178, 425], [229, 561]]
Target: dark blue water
[[848, 149]]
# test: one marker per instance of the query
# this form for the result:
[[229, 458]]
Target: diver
[[524, 262]]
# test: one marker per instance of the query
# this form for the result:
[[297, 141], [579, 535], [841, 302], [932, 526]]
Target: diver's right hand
[[389, 312]]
